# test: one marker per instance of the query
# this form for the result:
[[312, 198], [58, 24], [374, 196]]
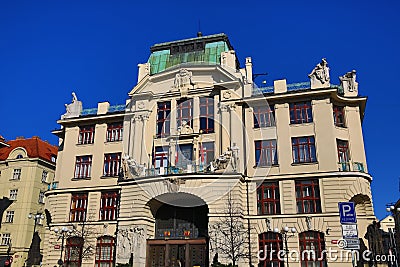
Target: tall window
[[268, 198], [266, 153], [78, 207], [16, 174], [44, 176], [307, 196], [112, 164], [104, 251], [161, 157], [312, 245], [207, 114], [338, 116], [9, 216], [303, 149], [206, 153], [184, 111], [13, 194], [5, 239], [300, 112], [263, 116], [41, 198], [83, 166], [270, 244], [343, 154], [114, 132], [86, 134], [73, 251], [109, 205], [163, 118]]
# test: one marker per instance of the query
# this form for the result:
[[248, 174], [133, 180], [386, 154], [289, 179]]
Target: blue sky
[[50, 48]]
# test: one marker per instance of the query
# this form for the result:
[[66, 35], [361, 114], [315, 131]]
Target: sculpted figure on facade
[[222, 162], [138, 243], [124, 245], [131, 168], [183, 81], [185, 128], [172, 184], [349, 84], [73, 109], [319, 76]]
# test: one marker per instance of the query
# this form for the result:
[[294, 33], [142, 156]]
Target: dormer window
[[19, 156]]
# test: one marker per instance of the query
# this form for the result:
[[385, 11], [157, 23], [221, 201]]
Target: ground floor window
[[104, 251], [312, 245], [73, 252], [270, 244]]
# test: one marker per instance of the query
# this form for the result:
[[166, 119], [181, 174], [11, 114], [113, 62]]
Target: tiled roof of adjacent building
[[35, 147]]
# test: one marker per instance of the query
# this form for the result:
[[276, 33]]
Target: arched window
[[19, 156], [270, 244], [312, 246], [104, 251], [73, 252]]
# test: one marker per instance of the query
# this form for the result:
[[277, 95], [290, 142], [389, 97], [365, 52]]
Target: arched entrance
[[181, 235]]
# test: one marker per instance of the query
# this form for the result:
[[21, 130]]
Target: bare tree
[[229, 232]]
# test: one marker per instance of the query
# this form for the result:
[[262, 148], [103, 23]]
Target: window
[[184, 111], [9, 216], [41, 197], [78, 207], [270, 244], [73, 251], [104, 251], [13, 194], [19, 156], [312, 249], [112, 163], [207, 114], [300, 112], [266, 153], [16, 174], [44, 176], [83, 166], [114, 132], [161, 157], [268, 198], [338, 116], [6, 239], [263, 116], [303, 149], [109, 206], [163, 118], [343, 154], [206, 152], [307, 196], [86, 135]]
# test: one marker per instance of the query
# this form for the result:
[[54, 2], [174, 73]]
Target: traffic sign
[[347, 212], [349, 231]]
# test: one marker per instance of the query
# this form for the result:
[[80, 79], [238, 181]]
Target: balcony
[[351, 166], [174, 170]]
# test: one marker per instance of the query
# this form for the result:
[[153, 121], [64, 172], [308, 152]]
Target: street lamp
[[62, 233], [394, 233], [36, 217], [286, 233]]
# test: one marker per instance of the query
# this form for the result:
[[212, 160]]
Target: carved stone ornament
[[131, 241], [227, 95], [349, 84], [74, 109], [172, 184], [230, 158], [140, 105], [319, 76], [131, 168], [183, 82], [185, 128]]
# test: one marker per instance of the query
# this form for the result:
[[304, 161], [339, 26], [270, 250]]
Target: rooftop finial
[[199, 34]]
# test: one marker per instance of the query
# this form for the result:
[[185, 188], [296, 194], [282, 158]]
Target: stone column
[[143, 153], [226, 127], [196, 114]]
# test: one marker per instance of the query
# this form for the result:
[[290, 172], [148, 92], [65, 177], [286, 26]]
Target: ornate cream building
[[200, 161]]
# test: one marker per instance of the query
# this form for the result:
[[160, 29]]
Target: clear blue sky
[[50, 48]]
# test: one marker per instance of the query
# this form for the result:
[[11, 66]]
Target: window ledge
[[11, 179], [264, 167], [111, 142], [301, 124], [266, 127], [83, 178], [108, 177], [87, 144], [341, 127], [304, 163]]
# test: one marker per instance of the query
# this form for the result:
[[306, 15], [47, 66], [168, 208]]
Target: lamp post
[[394, 233], [34, 254], [36, 217], [62, 233], [286, 233]]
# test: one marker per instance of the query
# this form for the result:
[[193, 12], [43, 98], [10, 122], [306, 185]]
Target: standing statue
[[319, 76], [374, 237], [183, 82], [349, 84]]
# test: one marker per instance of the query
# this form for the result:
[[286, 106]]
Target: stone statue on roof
[[183, 81], [349, 84], [319, 76], [74, 109]]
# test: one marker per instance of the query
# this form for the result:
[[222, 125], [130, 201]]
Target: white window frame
[[10, 216], [41, 197], [5, 239], [16, 174], [13, 194], [44, 176]]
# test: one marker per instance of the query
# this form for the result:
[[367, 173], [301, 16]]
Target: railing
[[174, 170], [351, 166]]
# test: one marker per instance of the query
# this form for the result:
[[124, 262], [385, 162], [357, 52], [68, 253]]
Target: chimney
[[19, 138]]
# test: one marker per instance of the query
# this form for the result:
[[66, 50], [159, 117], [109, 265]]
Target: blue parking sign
[[347, 212]]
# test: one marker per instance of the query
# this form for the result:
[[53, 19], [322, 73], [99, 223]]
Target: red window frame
[[206, 153], [112, 164], [343, 151], [109, 205], [105, 247], [163, 118], [207, 114], [312, 241], [78, 207], [266, 153], [303, 149], [184, 111], [161, 156], [268, 198], [308, 199], [83, 166], [264, 116], [300, 112], [73, 251], [270, 244], [86, 134], [338, 116], [114, 131]]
